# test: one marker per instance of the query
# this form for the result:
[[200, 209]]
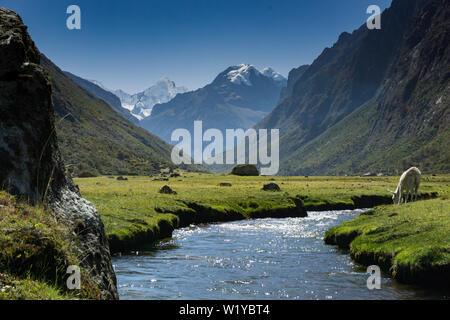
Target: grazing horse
[[408, 184]]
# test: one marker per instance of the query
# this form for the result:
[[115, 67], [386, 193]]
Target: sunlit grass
[[35, 251]]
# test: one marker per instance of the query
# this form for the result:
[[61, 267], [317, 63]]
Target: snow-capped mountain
[[141, 104], [242, 73], [238, 97]]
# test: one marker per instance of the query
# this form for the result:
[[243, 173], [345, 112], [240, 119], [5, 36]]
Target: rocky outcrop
[[31, 166], [271, 187], [245, 170]]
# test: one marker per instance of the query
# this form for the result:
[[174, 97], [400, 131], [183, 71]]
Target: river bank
[[135, 214], [277, 259], [410, 242]]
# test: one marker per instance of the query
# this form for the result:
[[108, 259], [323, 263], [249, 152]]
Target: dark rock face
[[374, 90], [30, 162], [245, 170], [293, 77]]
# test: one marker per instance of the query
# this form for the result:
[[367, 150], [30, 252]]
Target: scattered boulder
[[245, 170], [174, 175], [161, 179], [120, 178], [271, 187], [167, 190], [393, 214], [225, 184]]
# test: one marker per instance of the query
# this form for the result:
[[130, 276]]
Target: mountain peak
[[270, 73], [241, 74]]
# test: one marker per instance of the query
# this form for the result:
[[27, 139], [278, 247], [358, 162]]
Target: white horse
[[408, 184]]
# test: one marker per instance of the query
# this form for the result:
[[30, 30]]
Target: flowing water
[[253, 259]]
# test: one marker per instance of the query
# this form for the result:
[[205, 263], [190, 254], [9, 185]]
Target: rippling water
[[253, 259]]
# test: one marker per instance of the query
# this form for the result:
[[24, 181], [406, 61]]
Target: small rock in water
[[271, 187], [167, 190]]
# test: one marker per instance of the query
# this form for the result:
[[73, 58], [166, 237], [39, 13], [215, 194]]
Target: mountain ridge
[[95, 139], [391, 118]]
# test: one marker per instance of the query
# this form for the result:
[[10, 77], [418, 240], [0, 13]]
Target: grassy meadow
[[135, 213]]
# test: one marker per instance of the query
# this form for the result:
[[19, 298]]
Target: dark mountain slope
[[293, 77], [341, 79], [106, 96], [94, 138], [407, 123]]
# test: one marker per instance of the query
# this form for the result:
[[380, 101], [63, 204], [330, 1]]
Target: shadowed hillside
[[94, 139], [376, 101]]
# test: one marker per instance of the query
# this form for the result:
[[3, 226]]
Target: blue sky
[[131, 44]]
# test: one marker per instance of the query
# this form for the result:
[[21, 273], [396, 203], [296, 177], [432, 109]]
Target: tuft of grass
[[35, 251]]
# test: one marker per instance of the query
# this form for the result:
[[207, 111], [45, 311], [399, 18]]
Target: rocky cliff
[[376, 101], [30, 162]]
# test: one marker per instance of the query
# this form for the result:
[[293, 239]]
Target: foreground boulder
[[245, 170], [30, 162]]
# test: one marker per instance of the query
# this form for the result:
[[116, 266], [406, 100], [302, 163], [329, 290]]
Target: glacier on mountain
[[240, 74]]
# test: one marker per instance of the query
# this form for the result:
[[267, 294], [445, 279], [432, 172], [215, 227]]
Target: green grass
[[35, 251], [134, 213], [410, 241]]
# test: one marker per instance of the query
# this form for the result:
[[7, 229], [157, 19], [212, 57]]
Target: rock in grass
[[167, 190], [161, 179], [245, 170], [120, 178], [225, 184], [271, 187]]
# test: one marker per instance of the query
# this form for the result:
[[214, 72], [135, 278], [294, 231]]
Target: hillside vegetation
[[35, 251], [94, 139]]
